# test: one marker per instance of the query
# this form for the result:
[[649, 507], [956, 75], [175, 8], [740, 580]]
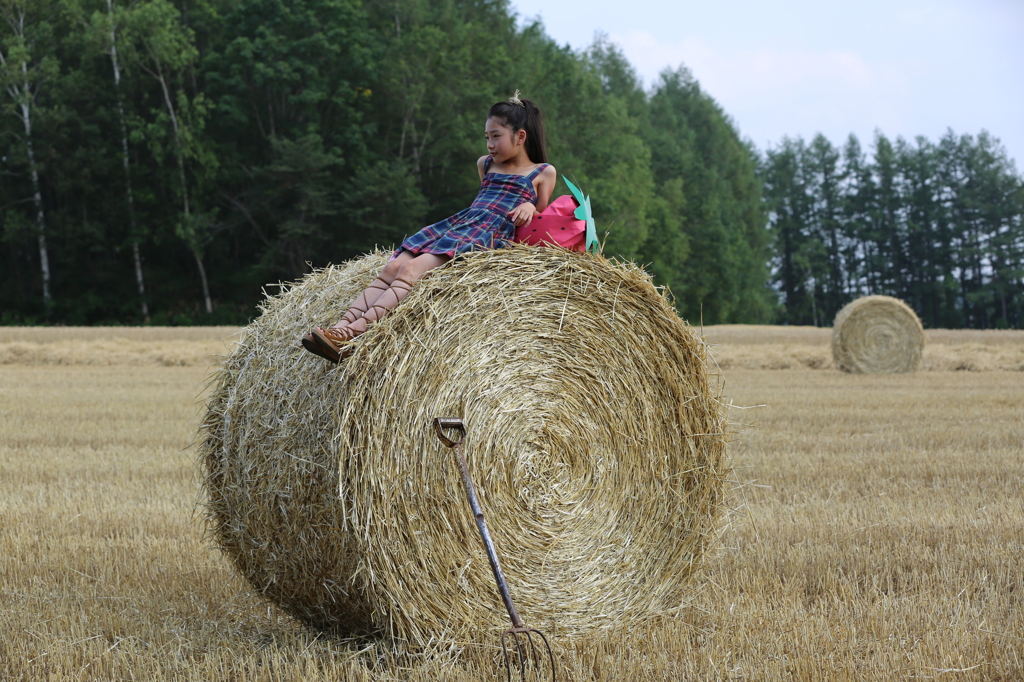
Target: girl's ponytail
[[523, 114], [536, 145]]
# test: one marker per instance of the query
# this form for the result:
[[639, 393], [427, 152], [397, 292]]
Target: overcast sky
[[797, 68]]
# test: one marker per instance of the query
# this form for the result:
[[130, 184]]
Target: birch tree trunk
[[140, 281], [184, 189], [37, 198], [23, 95]]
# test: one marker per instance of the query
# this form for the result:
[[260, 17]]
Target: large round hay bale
[[877, 335], [595, 437]]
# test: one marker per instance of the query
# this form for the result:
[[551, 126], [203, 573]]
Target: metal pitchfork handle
[[518, 628]]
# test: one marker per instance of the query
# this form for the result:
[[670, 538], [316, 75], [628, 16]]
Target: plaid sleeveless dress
[[485, 224]]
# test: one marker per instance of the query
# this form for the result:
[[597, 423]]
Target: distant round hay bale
[[877, 335], [595, 437]]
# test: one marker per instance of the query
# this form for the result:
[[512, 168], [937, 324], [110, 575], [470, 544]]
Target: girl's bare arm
[[544, 183]]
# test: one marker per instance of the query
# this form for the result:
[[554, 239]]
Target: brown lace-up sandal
[[401, 289], [336, 343], [328, 344], [378, 311], [355, 311], [310, 344]]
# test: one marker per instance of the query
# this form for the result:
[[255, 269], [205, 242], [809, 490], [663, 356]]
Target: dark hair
[[525, 116]]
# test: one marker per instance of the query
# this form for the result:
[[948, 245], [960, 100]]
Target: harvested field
[[734, 346], [877, 535], [157, 335], [738, 346], [136, 346]]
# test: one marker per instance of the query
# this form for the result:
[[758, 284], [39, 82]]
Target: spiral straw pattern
[[595, 437], [877, 335]]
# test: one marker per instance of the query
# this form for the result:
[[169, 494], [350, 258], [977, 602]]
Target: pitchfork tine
[[523, 654]]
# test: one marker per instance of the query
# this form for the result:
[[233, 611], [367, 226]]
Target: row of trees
[[939, 225], [164, 160]]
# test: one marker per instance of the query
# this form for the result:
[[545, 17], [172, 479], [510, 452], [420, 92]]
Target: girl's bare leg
[[377, 287], [408, 272]]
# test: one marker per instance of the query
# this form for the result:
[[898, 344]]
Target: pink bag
[[557, 225]]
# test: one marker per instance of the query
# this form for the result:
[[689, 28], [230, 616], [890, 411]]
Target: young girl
[[515, 184]]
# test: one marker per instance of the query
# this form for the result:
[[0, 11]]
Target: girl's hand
[[522, 214]]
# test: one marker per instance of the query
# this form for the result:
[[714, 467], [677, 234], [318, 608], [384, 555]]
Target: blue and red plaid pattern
[[485, 224]]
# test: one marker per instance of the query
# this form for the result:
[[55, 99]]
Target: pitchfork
[[526, 650]]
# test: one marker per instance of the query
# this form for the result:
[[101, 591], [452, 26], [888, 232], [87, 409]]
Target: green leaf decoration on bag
[[584, 212]]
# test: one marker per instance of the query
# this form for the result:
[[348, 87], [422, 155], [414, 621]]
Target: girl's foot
[[336, 343], [352, 329], [328, 344], [327, 352]]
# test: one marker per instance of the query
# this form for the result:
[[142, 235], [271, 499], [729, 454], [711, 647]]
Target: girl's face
[[502, 143]]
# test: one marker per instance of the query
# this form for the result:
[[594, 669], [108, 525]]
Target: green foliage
[[724, 278], [938, 225], [233, 143]]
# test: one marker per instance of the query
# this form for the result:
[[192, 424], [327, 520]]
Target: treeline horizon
[[936, 224], [163, 161]]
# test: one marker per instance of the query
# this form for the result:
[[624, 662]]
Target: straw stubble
[[595, 437]]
